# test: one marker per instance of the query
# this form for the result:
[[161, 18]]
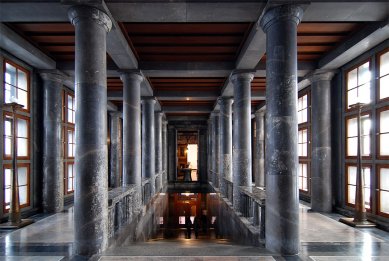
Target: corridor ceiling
[[187, 49]]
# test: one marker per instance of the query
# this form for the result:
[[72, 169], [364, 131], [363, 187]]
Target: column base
[[16, 225], [361, 224]]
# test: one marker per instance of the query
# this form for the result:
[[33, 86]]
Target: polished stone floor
[[322, 238]]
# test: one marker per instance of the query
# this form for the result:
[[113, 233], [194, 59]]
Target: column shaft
[[321, 198], [241, 156], [172, 150], [53, 174], [259, 156], [281, 158], [132, 170], [164, 152], [115, 153], [225, 142], [148, 142], [158, 147], [91, 194], [216, 148]]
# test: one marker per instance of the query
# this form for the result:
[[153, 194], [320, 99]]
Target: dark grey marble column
[[172, 154], [216, 148], [209, 150], [115, 153], [281, 158], [53, 174], [132, 170], [259, 155], [225, 142], [148, 141], [321, 198], [158, 147], [164, 151], [91, 194], [241, 141]]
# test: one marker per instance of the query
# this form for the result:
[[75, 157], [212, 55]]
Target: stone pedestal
[[225, 142], [281, 158], [321, 197], [91, 194], [259, 155], [148, 141], [241, 142], [53, 173]]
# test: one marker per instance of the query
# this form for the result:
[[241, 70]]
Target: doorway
[[187, 156]]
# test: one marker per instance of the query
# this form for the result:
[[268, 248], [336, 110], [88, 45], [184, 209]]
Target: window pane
[[363, 73], [384, 122], [70, 184], [8, 126], [10, 74], [384, 87], [366, 145], [23, 195], [366, 125], [22, 127], [384, 64], [364, 93], [367, 197], [352, 175], [9, 92], [7, 197], [7, 177], [22, 98], [305, 185], [384, 144], [351, 194], [352, 128], [70, 102], [352, 146], [352, 97], [7, 146], [384, 178], [22, 80], [22, 176], [352, 79], [22, 147], [384, 201]]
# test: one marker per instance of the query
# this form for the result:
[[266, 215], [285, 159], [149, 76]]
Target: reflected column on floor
[[281, 158], [91, 193]]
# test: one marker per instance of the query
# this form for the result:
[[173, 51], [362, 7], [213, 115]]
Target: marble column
[[53, 173], [158, 148], [209, 150], [281, 158], [148, 141], [132, 170], [225, 142], [321, 197], [259, 155], [115, 152], [241, 154], [91, 193], [172, 154], [216, 148], [164, 152]]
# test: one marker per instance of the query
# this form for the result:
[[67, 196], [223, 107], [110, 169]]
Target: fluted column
[[225, 142], [259, 155], [158, 147], [281, 158], [241, 142], [53, 174], [132, 170], [91, 193], [115, 153], [148, 141], [321, 197]]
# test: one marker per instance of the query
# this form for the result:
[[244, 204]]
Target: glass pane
[[70, 102], [305, 185], [22, 98], [305, 101], [366, 175], [23, 195], [366, 145], [384, 64], [9, 93], [300, 183], [305, 115], [351, 194], [22, 147], [384, 87], [352, 175], [363, 73], [352, 97], [304, 167], [366, 125], [70, 171], [299, 117], [384, 178], [7, 146], [352, 147], [384, 201], [300, 150], [10, 74], [70, 184], [352, 79], [7, 177], [22, 128], [22, 80], [364, 93], [384, 144], [8, 126], [7, 197], [22, 176], [352, 128], [384, 121], [367, 198]]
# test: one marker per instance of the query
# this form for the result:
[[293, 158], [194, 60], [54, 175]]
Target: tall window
[[303, 119], [351, 178], [352, 135], [384, 75], [16, 88], [358, 84], [69, 140]]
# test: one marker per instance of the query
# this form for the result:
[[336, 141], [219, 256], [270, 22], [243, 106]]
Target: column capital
[[159, 113], [215, 113], [52, 75], [148, 99], [115, 114], [131, 74], [242, 75], [225, 100], [281, 13], [321, 75], [260, 113], [83, 12]]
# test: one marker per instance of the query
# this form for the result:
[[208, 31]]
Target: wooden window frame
[[346, 136], [378, 168], [378, 140], [9, 166], [65, 108], [378, 77], [18, 67], [308, 191], [66, 166], [346, 184], [66, 125], [347, 109]]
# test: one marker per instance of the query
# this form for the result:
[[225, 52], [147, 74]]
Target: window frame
[[346, 183], [378, 134], [378, 77], [364, 113], [301, 126], [378, 167], [66, 125]]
